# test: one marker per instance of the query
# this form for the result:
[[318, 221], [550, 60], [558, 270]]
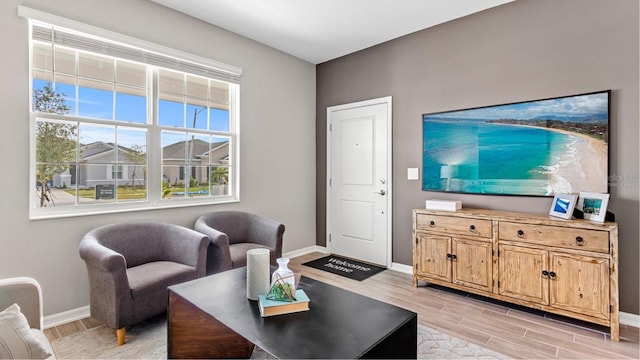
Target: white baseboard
[[407, 269], [66, 317], [629, 319], [305, 251]]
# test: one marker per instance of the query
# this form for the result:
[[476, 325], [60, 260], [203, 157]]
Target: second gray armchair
[[232, 233]]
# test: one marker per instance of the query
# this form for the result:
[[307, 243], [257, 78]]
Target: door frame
[[382, 100]]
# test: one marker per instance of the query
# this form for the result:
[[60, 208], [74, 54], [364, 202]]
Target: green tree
[[55, 141]]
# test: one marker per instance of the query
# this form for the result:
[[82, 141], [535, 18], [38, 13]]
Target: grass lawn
[[132, 193]]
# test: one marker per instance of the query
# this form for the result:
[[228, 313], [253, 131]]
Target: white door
[[359, 180]]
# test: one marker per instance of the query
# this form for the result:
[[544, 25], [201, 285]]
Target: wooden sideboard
[[566, 267]]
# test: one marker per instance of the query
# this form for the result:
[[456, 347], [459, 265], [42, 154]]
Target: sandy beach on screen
[[584, 167]]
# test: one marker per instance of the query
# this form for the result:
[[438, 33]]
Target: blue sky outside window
[[219, 119], [170, 113], [131, 108], [95, 103]]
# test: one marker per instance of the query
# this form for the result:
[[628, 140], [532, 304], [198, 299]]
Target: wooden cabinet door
[[580, 284], [472, 263], [520, 273], [430, 255]]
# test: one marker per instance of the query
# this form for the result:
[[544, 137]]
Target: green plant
[[220, 175]]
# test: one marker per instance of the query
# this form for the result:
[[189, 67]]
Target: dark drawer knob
[[449, 256], [453, 257], [552, 274], [520, 233], [432, 223], [579, 241], [472, 228], [545, 273]]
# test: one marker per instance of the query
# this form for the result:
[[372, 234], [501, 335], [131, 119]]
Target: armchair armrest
[[218, 253], [25, 292], [100, 257], [108, 282]]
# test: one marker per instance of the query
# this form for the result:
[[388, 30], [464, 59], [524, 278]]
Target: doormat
[[339, 265]]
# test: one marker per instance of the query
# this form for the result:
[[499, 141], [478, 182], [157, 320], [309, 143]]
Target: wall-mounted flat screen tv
[[535, 148]]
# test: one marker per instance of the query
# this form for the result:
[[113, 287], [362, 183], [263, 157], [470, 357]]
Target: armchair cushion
[[17, 339], [239, 253], [149, 282]]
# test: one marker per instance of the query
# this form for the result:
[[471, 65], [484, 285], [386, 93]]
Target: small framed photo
[[593, 205], [563, 205]]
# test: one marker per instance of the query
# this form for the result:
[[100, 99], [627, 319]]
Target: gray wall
[[520, 51], [277, 145]]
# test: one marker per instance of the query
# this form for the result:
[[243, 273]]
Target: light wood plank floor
[[511, 330]]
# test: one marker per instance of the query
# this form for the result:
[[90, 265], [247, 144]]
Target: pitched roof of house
[[200, 150], [219, 151], [99, 148]]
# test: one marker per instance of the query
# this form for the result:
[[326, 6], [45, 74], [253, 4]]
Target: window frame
[[154, 130]]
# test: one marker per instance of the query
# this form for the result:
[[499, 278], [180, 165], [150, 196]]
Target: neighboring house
[[203, 160], [97, 166]]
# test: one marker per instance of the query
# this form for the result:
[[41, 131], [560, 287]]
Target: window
[[116, 172], [159, 130]]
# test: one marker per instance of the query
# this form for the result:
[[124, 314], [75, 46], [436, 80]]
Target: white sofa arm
[[25, 292]]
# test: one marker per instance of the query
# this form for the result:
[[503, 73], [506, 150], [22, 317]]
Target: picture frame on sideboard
[[593, 205], [563, 205]]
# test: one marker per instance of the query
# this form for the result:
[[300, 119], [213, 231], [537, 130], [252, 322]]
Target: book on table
[[275, 307]]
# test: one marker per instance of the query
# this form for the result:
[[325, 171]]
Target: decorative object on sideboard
[[562, 206], [593, 205], [609, 216], [444, 205]]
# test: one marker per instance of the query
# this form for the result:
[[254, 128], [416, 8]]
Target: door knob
[[381, 192]]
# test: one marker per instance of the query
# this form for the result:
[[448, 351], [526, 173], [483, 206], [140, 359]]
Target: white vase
[[284, 273]]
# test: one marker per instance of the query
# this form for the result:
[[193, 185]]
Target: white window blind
[[62, 37]]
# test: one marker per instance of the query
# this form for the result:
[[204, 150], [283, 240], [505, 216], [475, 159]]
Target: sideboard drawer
[[454, 225], [581, 239]]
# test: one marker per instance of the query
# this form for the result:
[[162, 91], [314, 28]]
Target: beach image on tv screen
[[539, 148]]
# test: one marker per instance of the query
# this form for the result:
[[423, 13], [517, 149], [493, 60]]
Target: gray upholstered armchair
[[232, 233], [130, 266]]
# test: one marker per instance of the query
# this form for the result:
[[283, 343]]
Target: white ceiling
[[322, 30]]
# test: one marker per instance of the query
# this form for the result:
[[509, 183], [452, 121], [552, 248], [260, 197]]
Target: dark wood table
[[211, 317]]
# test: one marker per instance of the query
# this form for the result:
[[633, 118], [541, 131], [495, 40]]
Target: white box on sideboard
[[444, 205]]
